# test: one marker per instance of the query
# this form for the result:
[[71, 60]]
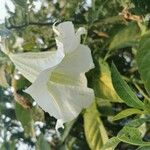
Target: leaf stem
[[107, 55], [141, 91]]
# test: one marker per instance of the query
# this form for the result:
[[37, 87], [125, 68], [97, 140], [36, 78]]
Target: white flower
[[59, 83]]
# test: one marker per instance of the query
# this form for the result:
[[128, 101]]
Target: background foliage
[[119, 38]]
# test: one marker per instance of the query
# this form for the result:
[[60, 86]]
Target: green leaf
[[21, 83], [22, 3], [138, 122], [124, 91], [42, 144], [132, 136], [147, 106], [126, 37], [144, 148], [105, 89], [69, 144], [4, 32], [37, 114], [112, 143], [25, 117], [143, 61], [68, 127], [104, 107], [126, 113], [95, 132]]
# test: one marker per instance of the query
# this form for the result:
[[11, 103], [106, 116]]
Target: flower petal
[[39, 92], [59, 124], [80, 31], [63, 102], [71, 99], [75, 80], [32, 63], [72, 69], [67, 39], [75, 64], [64, 29]]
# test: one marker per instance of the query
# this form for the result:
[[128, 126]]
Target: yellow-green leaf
[[105, 87], [95, 132], [3, 80], [112, 143]]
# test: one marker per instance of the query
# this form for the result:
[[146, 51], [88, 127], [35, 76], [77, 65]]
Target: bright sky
[[3, 12]]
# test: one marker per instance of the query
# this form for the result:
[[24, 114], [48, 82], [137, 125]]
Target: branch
[[27, 24]]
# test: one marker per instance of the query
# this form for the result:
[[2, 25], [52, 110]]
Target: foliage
[[94, 129], [119, 38]]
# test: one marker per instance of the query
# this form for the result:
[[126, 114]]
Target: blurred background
[[26, 25]]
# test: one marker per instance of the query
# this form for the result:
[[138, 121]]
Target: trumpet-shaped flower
[[59, 85]]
